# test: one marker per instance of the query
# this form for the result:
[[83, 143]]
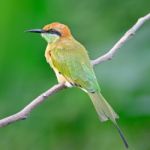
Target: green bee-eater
[[72, 66]]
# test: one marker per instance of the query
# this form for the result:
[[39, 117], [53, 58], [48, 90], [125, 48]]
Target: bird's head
[[53, 32]]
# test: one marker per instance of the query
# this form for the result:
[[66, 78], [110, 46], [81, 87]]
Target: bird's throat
[[50, 38]]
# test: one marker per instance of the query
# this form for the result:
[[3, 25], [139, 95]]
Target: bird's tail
[[102, 107], [105, 112]]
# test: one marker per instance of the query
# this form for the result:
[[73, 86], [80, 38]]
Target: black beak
[[36, 31]]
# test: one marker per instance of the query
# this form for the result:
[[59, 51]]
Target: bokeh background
[[67, 120]]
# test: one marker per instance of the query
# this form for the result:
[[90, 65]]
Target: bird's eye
[[54, 31]]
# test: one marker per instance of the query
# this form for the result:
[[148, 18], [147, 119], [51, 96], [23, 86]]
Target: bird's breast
[[60, 77]]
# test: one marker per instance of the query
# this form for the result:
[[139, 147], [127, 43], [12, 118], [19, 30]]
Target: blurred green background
[[68, 121]]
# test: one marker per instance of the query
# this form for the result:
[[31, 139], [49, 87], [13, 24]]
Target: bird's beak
[[36, 31]]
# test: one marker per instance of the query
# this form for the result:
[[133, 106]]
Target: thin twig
[[121, 42], [23, 114], [37, 101]]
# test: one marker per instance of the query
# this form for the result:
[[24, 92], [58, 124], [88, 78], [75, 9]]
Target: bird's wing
[[73, 63]]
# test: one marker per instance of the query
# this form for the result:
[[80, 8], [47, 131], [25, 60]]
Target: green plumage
[[72, 61], [70, 58]]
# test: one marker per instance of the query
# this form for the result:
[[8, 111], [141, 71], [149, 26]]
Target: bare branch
[[27, 109], [121, 42], [37, 101]]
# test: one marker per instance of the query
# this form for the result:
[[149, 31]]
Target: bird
[[71, 63]]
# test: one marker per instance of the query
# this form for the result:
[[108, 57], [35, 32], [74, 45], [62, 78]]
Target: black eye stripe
[[53, 31]]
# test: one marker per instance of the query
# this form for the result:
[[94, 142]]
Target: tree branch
[[23, 114], [123, 39], [37, 101]]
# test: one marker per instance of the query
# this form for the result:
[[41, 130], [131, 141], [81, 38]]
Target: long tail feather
[[102, 107], [105, 112], [121, 135]]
